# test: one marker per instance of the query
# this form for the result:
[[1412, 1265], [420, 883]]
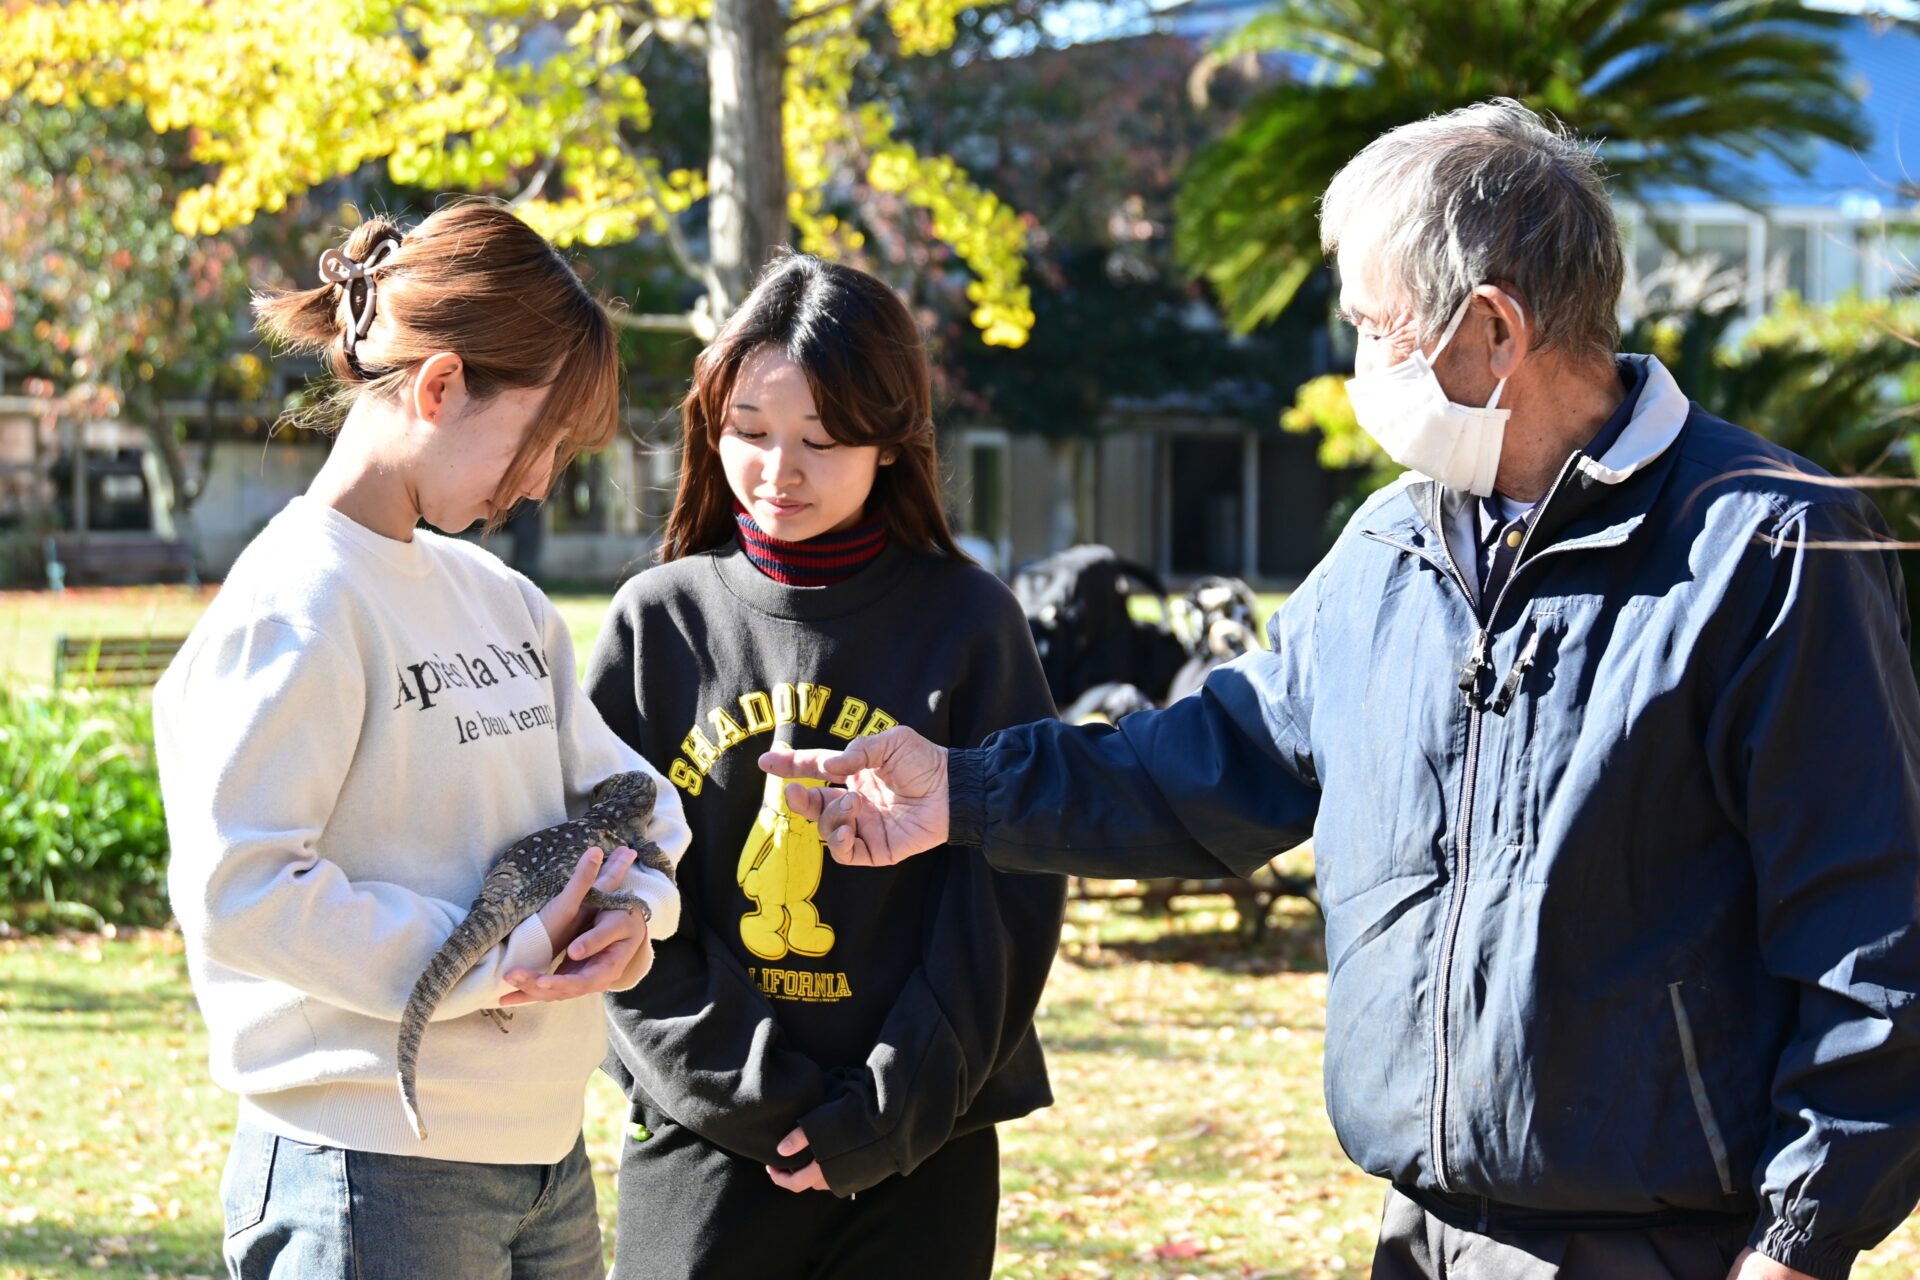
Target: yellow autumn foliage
[[478, 95]]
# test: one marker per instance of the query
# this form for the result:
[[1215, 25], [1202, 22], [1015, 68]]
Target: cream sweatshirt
[[353, 733]]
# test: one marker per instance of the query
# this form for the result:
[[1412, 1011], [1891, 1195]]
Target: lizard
[[523, 880]]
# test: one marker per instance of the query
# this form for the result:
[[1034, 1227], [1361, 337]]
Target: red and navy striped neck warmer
[[819, 561]]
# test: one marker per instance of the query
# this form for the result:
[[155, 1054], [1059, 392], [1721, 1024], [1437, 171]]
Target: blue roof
[[1883, 65]]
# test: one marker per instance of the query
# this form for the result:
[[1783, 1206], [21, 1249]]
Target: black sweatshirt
[[883, 1011]]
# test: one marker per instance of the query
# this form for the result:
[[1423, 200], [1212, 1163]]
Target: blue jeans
[[301, 1212]]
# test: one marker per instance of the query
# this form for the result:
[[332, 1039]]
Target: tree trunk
[[747, 211], [183, 490], [1063, 507]]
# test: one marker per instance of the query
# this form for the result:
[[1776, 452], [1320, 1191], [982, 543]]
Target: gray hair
[[1489, 194]]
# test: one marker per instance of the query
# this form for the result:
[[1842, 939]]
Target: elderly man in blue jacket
[[1603, 725]]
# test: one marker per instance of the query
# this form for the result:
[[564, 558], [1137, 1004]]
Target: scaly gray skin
[[527, 877]]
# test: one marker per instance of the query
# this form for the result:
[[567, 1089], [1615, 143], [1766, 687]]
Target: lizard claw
[[498, 1017], [600, 900]]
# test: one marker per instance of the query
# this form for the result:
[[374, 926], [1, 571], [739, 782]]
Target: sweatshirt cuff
[[1789, 1246], [840, 1135], [861, 1169], [662, 897], [637, 968], [966, 797], [528, 947]]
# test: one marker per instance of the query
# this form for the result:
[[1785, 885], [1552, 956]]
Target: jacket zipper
[[1463, 861], [1463, 847], [1456, 907]]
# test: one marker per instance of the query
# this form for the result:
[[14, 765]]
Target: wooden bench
[[1254, 897], [126, 662], [118, 560]]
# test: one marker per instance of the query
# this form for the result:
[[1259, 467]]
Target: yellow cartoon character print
[[779, 872]]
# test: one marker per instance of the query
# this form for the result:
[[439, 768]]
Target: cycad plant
[[1838, 384], [1678, 92]]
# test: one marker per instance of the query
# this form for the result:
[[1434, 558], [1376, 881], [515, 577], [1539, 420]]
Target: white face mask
[[1404, 408]]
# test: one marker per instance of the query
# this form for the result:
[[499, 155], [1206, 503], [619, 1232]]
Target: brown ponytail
[[866, 364], [474, 280]]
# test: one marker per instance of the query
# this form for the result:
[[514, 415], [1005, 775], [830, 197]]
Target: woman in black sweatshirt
[[812, 1027]]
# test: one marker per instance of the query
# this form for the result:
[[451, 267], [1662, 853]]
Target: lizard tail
[[472, 938]]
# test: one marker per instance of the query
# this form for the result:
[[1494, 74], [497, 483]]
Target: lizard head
[[627, 799]]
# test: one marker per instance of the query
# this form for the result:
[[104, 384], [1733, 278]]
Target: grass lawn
[[30, 620], [1189, 1137], [1188, 1140]]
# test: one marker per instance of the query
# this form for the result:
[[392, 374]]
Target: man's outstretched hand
[[893, 803]]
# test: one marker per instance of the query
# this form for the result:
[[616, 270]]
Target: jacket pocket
[[249, 1175], [1702, 1104]]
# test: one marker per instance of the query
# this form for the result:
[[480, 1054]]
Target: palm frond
[[1678, 94]]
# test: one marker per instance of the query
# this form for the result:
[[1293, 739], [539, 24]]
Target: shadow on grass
[[58, 1251], [1084, 1026], [1143, 1047], [1294, 943], [129, 1008]]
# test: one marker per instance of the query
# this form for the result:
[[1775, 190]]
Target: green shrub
[[81, 828]]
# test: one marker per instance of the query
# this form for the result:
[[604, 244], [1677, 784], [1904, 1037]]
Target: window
[[1207, 488], [1903, 260], [987, 502], [1724, 242], [579, 499], [983, 507], [1788, 260], [1648, 242]]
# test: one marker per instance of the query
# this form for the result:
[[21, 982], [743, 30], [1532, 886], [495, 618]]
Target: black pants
[[1415, 1245], [691, 1211]]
